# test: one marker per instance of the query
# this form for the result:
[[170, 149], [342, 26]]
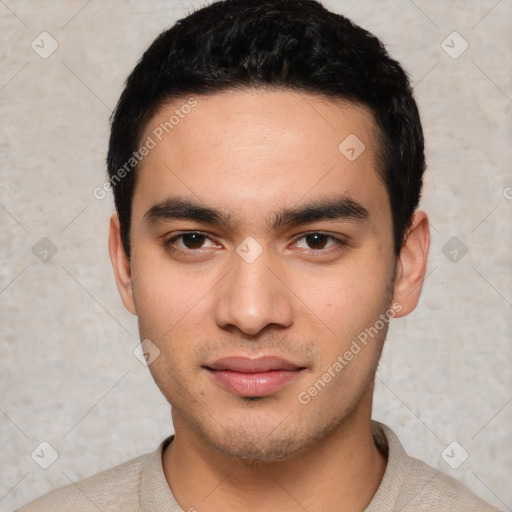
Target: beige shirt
[[139, 485]]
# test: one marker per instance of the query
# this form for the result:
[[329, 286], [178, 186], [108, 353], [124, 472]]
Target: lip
[[248, 377]]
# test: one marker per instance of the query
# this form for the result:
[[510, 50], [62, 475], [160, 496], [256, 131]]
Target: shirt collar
[[389, 445], [156, 496]]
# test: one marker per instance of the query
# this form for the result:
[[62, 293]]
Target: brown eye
[[193, 240], [189, 241], [319, 242], [316, 240]]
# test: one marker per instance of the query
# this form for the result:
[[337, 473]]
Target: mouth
[[253, 378]]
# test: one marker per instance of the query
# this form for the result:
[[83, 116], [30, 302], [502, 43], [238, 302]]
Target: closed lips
[[247, 365]]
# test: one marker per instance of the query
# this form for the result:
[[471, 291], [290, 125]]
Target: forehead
[[260, 149]]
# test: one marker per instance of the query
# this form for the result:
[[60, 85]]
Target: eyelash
[[340, 244]]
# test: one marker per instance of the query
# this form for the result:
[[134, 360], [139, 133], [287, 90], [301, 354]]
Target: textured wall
[[68, 375]]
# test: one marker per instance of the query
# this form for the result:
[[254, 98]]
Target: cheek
[[164, 293], [345, 299], [349, 345]]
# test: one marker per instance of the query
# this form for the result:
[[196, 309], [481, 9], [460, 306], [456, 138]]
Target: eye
[[194, 241], [190, 241], [320, 242]]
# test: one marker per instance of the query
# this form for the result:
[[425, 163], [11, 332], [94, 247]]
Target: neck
[[344, 468]]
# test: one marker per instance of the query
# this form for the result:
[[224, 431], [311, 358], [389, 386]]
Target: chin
[[262, 439], [258, 448]]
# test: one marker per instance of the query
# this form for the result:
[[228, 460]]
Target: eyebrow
[[330, 208]]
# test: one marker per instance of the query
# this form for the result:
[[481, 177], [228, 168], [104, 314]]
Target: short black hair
[[291, 44]]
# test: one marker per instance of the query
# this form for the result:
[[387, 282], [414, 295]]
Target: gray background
[[68, 373]]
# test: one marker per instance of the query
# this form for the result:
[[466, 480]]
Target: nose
[[253, 296]]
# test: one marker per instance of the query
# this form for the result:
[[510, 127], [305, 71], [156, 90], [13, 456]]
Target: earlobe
[[121, 264], [412, 264]]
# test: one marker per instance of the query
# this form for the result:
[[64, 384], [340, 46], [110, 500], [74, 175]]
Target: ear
[[412, 264], [122, 269]]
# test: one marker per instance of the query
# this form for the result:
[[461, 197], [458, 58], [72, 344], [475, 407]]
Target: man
[[266, 158]]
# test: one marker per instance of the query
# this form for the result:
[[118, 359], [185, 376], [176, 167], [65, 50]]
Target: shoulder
[[425, 487], [410, 485], [117, 488]]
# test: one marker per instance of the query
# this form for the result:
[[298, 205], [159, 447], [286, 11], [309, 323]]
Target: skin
[[250, 153]]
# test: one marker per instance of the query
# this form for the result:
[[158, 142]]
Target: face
[[262, 267]]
